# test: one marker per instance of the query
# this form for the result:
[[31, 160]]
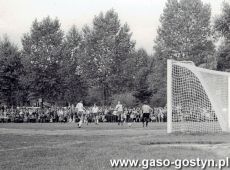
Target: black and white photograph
[[114, 84]]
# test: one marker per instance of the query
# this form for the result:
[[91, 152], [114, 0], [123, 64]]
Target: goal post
[[198, 99], [169, 96], [229, 103]]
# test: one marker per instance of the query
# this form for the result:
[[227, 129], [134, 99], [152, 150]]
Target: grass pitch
[[65, 146]]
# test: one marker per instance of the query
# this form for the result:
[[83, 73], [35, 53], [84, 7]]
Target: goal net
[[198, 99]]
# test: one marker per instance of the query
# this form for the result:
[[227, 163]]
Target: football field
[[65, 146]]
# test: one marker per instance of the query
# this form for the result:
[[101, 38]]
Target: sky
[[16, 16]]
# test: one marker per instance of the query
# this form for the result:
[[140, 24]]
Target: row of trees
[[97, 64], [100, 63]]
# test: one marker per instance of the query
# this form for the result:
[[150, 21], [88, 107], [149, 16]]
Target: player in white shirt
[[80, 112], [146, 110], [119, 109]]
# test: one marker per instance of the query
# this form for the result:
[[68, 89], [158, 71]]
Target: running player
[[80, 112]]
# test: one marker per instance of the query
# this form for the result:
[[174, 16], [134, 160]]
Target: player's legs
[[81, 117], [147, 119], [143, 120], [122, 119], [119, 118], [130, 122], [97, 119]]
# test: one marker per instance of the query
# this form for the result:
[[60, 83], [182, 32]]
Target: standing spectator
[[125, 115], [132, 117], [129, 117], [138, 115], [95, 110], [72, 114], [60, 115]]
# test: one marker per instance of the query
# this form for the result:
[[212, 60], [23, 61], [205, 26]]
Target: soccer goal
[[198, 99]]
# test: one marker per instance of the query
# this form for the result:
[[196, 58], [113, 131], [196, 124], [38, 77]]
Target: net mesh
[[199, 99]]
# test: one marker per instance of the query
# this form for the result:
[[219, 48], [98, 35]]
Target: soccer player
[[80, 111], [146, 110], [119, 109], [95, 110]]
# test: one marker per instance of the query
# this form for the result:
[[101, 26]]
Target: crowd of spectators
[[69, 114]]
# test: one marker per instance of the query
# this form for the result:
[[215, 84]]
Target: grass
[[64, 146]]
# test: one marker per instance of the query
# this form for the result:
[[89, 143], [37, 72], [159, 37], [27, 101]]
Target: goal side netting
[[198, 99]]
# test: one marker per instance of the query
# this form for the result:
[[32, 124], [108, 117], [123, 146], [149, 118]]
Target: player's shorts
[[80, 113], [146, 116]]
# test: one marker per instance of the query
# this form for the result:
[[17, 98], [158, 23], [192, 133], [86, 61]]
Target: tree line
[[100, 63]]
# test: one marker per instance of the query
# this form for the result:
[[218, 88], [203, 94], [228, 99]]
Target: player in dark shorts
[[146, 110]]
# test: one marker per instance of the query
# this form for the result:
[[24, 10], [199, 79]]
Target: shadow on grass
[[181, 142]]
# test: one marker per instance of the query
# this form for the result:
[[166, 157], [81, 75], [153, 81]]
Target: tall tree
[[185, 31], [107, 44], [142, 91], [137, 63], [10, 71], [184, 34], [74, 85], [121, 81], [221, 26], [42, 53]]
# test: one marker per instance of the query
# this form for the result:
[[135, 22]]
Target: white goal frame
[[224, 124]]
